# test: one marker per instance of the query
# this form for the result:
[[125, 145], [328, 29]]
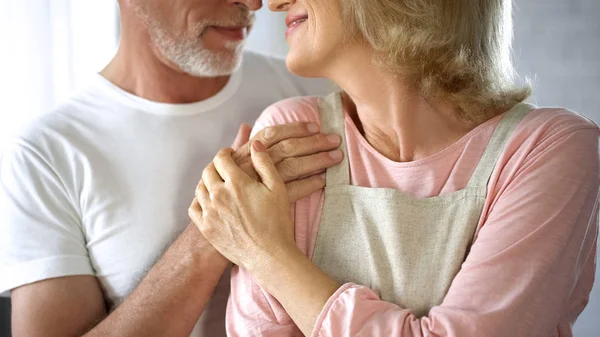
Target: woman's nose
[[252, 5], [280, 5]]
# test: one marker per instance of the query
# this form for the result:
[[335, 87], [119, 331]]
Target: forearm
[[298, 284], [170, 299]]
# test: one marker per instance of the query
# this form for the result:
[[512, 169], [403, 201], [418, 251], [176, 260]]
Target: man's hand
[[243, 136], [299, 152]]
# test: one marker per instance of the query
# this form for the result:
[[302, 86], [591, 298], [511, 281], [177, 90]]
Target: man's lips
[[233, 33]]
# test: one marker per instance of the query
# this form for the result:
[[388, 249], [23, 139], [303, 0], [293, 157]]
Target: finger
[[211, 177], [274, 134], [195, 212], [303, 188], [227, 168], [265, 167], [202, 195], [243, 136], [312, 174], [294, 168], [298, 147]]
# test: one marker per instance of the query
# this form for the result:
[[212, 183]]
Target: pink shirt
[[531, 267]]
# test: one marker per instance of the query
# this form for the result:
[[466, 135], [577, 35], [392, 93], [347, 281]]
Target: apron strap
[[487, 163], [333, 121]]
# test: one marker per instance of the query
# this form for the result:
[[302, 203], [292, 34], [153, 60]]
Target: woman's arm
[[529, 271], [535, 248]]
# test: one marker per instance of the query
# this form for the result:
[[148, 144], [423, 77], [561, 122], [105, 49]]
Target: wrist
[[273, 263], [198, 253]]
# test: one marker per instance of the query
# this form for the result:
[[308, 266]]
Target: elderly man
[[94, 234]]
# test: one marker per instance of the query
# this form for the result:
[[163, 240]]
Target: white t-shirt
[[101, 186]]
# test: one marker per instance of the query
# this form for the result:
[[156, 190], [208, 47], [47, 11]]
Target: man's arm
[[170, 299], [74, 301]]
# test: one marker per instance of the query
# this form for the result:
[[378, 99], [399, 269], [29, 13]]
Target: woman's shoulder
[[554, 139], [292, 110], [545, 126], [554, 120]]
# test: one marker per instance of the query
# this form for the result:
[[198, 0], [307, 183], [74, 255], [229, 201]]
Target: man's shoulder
[[55, 122], [59, 130]]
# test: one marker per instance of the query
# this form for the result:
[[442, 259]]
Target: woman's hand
[[298, 151], [247, 221]]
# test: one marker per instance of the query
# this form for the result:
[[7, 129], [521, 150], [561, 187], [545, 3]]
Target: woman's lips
[[231, 33], [293, 23]]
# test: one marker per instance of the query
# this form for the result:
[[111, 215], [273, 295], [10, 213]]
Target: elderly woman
[[458, 210]]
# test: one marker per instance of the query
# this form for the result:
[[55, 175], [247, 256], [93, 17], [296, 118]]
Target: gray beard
[[190, 55]]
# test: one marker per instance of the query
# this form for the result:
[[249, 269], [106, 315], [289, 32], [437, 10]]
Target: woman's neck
[[398, 122]]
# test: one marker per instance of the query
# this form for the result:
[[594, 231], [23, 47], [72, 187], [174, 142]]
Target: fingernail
[[334, 139], [258, 146], [314, 128], [337, 154]]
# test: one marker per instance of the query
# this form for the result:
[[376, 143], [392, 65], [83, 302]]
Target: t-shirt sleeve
[[40, 232]]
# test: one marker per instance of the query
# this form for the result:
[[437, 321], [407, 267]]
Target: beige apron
[[406, 249]]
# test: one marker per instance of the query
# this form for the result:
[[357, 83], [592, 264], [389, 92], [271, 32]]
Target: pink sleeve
[[250, 310], [253, 312], [530, 269], [291, 110]]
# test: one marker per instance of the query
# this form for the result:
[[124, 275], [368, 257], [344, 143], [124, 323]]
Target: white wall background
[[558, 42], [268, 35], [48, 48]]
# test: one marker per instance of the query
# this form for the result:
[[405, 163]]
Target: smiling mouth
[[293, 23], [298, 21]]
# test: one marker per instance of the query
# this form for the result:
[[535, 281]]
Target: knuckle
[[220, 194], [241, 154], [244, 162], [322, 159], [210, 215], [286, 148], [205, 171], [237, 191], [221, 154], [289, 167], [271, 133], [319, 138]]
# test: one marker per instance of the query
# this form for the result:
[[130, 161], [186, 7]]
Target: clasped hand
[[242, 204]]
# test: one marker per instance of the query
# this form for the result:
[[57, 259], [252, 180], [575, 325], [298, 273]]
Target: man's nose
[[280, 5], [252, 5]]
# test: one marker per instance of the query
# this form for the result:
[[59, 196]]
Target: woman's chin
[[301, 66]]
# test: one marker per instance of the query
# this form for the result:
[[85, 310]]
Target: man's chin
[[215, 64]]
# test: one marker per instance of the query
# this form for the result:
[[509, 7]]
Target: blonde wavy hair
[[458, 51]]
